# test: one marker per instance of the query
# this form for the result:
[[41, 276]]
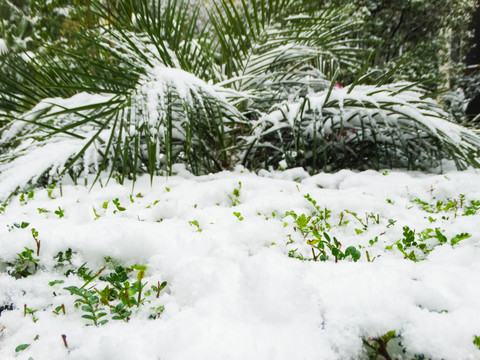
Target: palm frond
[[363, 127], [146, 112]]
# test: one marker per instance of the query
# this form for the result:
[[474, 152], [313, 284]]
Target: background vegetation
[[128, 87]]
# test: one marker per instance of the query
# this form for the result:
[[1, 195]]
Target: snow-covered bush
[[156, 84], [360, 127]]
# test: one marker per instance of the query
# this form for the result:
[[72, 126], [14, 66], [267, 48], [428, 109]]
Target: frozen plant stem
[[37, 242], [127, 296], [64, 338]]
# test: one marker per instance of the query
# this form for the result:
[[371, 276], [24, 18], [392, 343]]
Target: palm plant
[[134, 108], [156, 84], [360, 127]]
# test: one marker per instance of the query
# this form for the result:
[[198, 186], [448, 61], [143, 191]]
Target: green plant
[[314, 230], [159, 288], [37, 241], [377, 346], [21, 347], [196, 224], [238, 215], [60, 308], [476, 341], [415, 246], [355, 216], [22, 225], [28, 311], [24, 265], [156, 312], [389, 346], [138, 286], [374, 126], [89, 303], [129, 294], [451, 206], [64, 262], [60, 212], [234, 198], [116, 202], [251, 82]]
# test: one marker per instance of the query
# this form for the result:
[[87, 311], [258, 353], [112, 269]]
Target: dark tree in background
[[429, 39]]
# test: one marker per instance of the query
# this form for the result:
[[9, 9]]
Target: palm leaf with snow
[[279, 48], [360, 127], [136, 110]]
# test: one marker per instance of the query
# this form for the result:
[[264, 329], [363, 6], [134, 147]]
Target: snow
[[3, 47], [233, 292]]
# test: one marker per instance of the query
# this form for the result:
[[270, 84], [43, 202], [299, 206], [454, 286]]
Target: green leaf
[[459, 237], [442, 238], [139, 267], [351, 250], [74, 290], [476, 341], [21, 347], [388, 336], [302, 221], [54, 282]]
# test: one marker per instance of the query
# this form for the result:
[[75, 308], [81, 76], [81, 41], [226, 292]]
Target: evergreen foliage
[[142, 84]]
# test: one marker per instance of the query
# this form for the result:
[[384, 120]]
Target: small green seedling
[[472, 209], [238, 215], [195, 223], [391, 222], [59, 309], [116, 202], [50, 190], [138, 286], [476, 341], [37, 242], [64, 261], [157, 311], [95, 213], [60, 212], [234, 198], [355, 216], [22, 225], [28, 311], [159, 288]]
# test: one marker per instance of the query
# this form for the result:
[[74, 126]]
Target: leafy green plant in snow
[[89, 302], [234, 198], [451, 206], [196, 224], [24, 265], [60, 212], [314, 230], [238, 216], [476, 341], [416, 247]]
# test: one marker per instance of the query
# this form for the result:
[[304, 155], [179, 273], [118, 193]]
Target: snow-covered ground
[[235, 286]]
